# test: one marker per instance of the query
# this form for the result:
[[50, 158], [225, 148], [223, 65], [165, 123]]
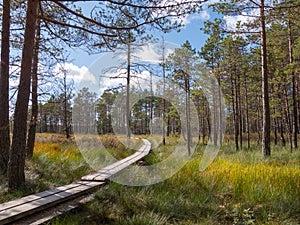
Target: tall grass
[[237, 188], [58, 161]]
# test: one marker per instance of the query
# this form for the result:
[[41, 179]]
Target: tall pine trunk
[[215, 118], [247, 111], [294, 90], [128, 135], [4, 89], [239, 104], [220, 109], [16, 165], [65, 106], [282, 138], [187, 112], [34, 96], [235, 112], [287, 114], [275, 132], [266, 148], [164, 91]]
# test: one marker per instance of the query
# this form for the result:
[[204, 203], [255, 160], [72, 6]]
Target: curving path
[[18, 211]]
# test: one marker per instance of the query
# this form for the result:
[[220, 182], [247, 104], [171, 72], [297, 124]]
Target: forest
[[239, 93]]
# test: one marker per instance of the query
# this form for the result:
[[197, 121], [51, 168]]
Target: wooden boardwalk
[[116, 167], [18, 209]]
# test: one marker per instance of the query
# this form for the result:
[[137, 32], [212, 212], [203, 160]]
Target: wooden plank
[[39, 195], [46, 215], [36, 196], [99, 175], [29, 208], [105, 173]]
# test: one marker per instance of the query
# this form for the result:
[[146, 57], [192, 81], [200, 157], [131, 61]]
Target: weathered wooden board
[[105, 173], [36, 196], [27, 208]]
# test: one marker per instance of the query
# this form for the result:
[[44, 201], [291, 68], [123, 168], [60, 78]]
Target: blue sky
[[190, 32], [84, 68]]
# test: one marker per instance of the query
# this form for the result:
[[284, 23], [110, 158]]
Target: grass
[[57, 161], [237, 188]]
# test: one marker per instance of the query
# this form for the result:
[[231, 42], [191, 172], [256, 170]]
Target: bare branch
[[75, 26]]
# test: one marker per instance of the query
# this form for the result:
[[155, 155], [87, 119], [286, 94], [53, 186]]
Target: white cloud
[[210, 2], [140, 80], [152, 53], [148, 53], [243, 19], [77, 74], [109, 71], [203, 15]]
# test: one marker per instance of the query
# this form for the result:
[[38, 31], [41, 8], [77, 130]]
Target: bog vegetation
[[240, 91], [238, 188]]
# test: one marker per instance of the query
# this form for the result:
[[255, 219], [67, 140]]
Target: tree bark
[[34, 95], [239, 104], [187, 112], [208, 126], [282, 138], [66, 117], [286, 110], [203, 119], [220, 110], [294, 90], [235, 112], [275, 131], [215, 118], [4, 89], [258, 124], [128, 90], [16, 165], [247, 112], [151, 106], [164, 90], [266, 148]]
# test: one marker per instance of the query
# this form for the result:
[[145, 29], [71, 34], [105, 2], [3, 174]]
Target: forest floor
[[237, 188]]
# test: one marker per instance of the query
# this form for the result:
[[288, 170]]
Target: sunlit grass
[[237, 188], [57, 161]]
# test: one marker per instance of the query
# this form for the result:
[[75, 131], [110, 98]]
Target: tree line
[[257, 66]]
